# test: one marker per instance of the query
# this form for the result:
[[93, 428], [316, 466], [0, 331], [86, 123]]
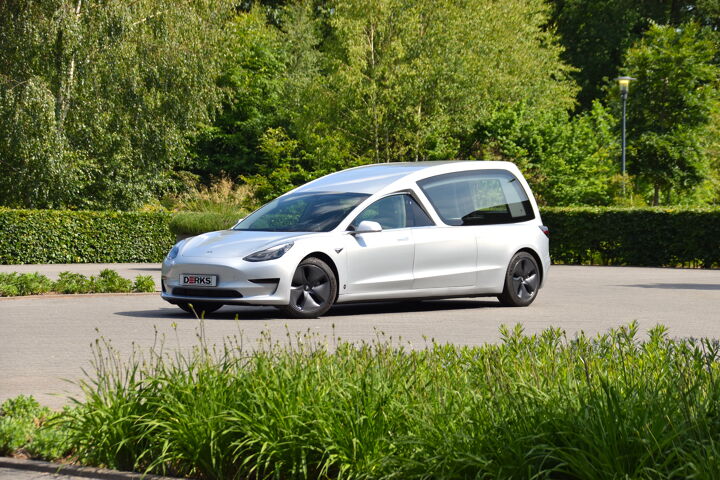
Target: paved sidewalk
[[127, 270]]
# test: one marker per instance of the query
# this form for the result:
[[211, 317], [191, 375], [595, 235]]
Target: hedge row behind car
[[659, 237], [578, 235], [58, 236]]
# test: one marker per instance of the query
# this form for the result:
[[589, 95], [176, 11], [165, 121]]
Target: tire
[[199, 309], [522, 281], [312, 291]]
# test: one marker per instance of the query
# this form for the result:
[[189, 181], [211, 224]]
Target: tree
[[394, 80], [567, 160], [97, 99], [670, 106], [596, 34], [254, 80]]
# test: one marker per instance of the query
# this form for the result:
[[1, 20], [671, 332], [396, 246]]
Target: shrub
[[634, 236], [23, 426], [108, 281], [12, 284], [143, 283], [222, 196], [69, 282], [57, 236], [196, 223]]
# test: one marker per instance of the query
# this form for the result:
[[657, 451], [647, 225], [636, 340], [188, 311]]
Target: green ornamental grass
[[533, 406]]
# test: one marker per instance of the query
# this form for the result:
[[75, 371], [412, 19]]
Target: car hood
[[234, 243]]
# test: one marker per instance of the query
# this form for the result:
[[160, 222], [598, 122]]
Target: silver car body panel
[[417, 262]]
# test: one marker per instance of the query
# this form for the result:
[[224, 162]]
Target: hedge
[[579, 235], [661, 237], [57, 236]]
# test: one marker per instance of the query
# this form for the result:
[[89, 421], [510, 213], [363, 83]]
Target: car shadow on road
[[677, 286], [231, 312]]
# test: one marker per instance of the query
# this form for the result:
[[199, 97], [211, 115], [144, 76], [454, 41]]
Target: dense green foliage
[[671, 48], [108, 281], [118, 104], [97, 99], [537, 406], [356, 82], [57, 236], [641, 236], [596, 34], [195, 223], [23, 426], [671, 104]]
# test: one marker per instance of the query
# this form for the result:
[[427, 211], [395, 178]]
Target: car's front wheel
[[199, 309], [522, 281], [312, 291]]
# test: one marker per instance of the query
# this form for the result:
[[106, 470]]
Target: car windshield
[[303, 212]]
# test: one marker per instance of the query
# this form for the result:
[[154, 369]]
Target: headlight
[[173, 252], [269, 253]]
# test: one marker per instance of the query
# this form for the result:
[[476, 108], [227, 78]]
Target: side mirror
[[367, 226]]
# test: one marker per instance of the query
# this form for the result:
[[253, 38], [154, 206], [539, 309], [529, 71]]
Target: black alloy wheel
[[312, 291], [522, 281], [199, 309]]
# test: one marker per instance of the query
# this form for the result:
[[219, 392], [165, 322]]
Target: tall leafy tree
[[254, 80], [596, 34], [116, 88], [567, 160], [405, 80], [671, 107]]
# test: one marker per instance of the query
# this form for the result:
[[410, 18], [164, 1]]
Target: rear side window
[[483, 197]]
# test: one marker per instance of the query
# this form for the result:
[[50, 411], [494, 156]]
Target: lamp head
[[624, 83]]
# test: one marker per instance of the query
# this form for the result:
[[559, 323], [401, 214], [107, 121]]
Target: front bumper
[[238, 282]]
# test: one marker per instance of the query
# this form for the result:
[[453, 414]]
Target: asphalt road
[[44, 340]]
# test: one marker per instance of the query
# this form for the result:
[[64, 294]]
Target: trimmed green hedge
[[57, 236], [661, 237], [579, 235]]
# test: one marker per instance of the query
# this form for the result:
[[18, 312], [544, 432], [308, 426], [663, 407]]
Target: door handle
[[403, 239]]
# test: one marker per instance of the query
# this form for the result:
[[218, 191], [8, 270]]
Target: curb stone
[[75, 471]]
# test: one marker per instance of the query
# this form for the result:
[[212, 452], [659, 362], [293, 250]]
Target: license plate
[[195, 280]]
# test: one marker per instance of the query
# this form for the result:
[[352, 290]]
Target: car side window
[[416, 215], [483, 197], [389, 212], [395, 211]]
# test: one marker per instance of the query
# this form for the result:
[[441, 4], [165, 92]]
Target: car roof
[[374, 178]]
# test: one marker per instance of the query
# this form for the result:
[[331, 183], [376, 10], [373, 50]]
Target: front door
[[381, 262]]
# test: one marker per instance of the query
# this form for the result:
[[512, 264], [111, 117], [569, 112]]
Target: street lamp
[[624, 87]]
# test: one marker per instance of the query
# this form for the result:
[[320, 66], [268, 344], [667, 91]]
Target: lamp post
[[624, 83]]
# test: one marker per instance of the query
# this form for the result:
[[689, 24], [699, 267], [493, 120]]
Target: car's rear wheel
[[312, 290], [522, 281], [199, 308]]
